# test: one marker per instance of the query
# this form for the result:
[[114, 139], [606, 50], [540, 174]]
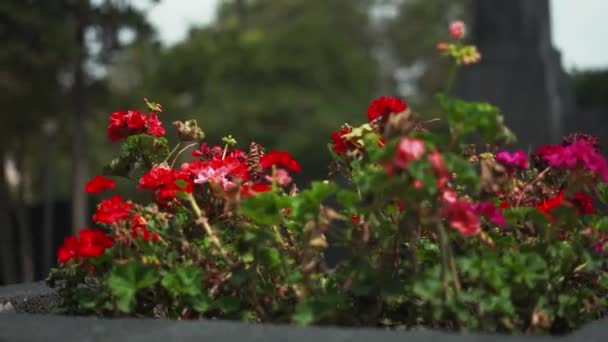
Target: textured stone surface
[[37, 327], [31, 298]]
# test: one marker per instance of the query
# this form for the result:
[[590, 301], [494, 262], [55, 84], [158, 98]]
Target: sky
[[579, 26]]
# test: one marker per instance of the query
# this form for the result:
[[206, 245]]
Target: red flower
[[206, 152], [68, 251], [93, 243], [461, 217], [99, 184], [280, 158], [341, 145], [139, 230], [122, 125], [584, 203], [252, 190], [155, 126], [136, 122], [355, 219], [547, 206], [166, 183], [385, 106], [117, 129], [112, 211]]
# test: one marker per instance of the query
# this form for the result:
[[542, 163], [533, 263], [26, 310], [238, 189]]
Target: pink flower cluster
[[513, 160], [578, 155]]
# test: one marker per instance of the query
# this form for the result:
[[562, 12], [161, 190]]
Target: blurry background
[[282, 73]]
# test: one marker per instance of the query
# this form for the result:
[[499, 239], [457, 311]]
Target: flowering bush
[[433, 233]]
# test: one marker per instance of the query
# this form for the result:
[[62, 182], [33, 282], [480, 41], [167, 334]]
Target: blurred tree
[[51, 50], [414, 32], [282, 73]]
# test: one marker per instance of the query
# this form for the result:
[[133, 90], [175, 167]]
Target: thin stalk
[[527, 187], [180, 153], [452, 78], [448, 263], [211, 234]]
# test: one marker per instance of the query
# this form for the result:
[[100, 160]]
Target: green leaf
[[185, 280], [264, 209], [125, 280], [304, 314]]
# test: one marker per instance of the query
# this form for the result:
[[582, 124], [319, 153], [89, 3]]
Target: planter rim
[[44, 327]]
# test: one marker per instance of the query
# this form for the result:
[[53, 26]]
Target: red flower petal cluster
[[552, 203], [584, 203], [112, 211], [166, 184], [140, 231], [341, 145], [385, 106], [208, 153], [123, 124], [92, 244], [249, 191], [280, 158], [99, 184], [462, 217]]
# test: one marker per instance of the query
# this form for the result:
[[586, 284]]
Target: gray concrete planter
[[24, 317]]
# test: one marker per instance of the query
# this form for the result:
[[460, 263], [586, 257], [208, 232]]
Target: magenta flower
[[513, 160], [491, 213], [579, 154]]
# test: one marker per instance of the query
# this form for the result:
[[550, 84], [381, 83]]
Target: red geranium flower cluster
[[99, 184], [283, 159], [112, 211], [123, 124], [461, 216], [385, 106], [340, 144], [92, 244], [140, 231], [166, 184], [582, 201]]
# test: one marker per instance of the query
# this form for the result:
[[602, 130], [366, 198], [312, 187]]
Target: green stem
[[180, 153], [452, 78], [172, 151]]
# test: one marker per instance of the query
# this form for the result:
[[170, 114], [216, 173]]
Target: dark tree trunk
[[50, 129], [8, 270], [23, 223], [80, 120], [242, 14]]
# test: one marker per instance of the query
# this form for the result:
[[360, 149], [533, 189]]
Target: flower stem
[[528, 186], [204, 223], [447, 261], [180, 153], [452, 78]]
